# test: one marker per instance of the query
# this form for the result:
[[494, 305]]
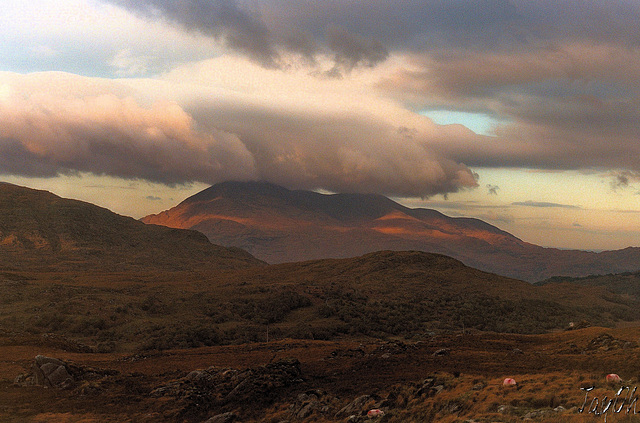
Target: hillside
[[280, 225], [39, 230], [382, 295], [621, 283]]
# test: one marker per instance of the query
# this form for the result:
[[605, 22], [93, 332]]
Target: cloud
[[241, 29], [544, 204], [47, 133], [60, 124], [352, 50], [623, 179], [573, 106], [88, 37], [269, 32], [126, 64], [153, 198], [492, 189], [560, 77]]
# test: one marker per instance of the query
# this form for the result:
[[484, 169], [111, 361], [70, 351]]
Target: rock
[[58, 376], [607, 342], [24, 380], [356, 407], [223, 418], [198, 376], [308, 403], [352, 352], [442, 352], [54, 373], [47, 372], [478, 386], [307, 409], [505, 409], [202, 391], [430, 387]]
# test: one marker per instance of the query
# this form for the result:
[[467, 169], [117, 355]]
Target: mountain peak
[[237, 188]]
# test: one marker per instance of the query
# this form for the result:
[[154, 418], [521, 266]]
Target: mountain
[[41, 230], [280, 225]]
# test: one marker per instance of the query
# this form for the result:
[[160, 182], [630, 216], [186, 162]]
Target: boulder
[[310, 402], [48, 372], [442, 352], [51, 372]]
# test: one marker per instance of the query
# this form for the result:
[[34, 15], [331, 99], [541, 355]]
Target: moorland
[[107, 319]]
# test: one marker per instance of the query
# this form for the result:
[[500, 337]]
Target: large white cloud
[[58, 123], [193, 127]]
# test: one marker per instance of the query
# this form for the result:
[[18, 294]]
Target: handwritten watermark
[[605, 405]]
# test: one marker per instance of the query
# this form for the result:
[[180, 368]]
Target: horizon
[[190, 191], [522, 114]]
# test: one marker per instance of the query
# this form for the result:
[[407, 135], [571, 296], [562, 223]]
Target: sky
[[524, 114]]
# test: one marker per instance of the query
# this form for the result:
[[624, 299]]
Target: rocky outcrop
[[203, 391], [607, 342], [51, 372], [48, 372], [311, 402]]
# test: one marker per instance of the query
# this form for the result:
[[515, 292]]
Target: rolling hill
[[627, 283], [39, 230], [280, 225]]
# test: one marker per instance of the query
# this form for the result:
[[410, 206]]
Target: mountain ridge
[[280, 225]]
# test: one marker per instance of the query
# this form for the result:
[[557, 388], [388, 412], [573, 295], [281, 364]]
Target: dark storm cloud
[[221, 19], [354, 32], [262, 27], [352, 50]]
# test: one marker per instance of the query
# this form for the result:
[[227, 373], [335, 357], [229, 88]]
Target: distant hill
[[41, 230], [401, 292], [280, 225], [627, 283]]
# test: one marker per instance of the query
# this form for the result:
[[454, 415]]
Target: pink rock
[[509, 382], [375, 413], [613, 378]]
